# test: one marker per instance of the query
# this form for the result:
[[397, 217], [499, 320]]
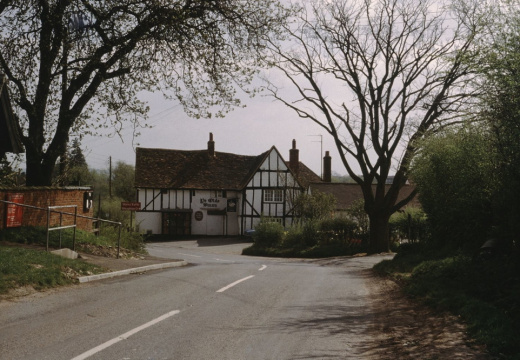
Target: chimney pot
[[211, 146], [294, 158], [327, 167]]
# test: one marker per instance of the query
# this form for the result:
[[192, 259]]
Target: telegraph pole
[[110, 177]]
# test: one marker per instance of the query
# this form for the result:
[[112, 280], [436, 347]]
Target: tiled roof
[[179, 169], [346, 194], [305, 175]]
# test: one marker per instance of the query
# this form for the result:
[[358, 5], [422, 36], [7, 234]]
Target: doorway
[[176, 223]]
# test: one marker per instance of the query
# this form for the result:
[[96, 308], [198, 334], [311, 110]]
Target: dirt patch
[[405, 329]]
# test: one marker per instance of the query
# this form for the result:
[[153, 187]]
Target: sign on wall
[[232, 205], [199, 215], [14, 212]]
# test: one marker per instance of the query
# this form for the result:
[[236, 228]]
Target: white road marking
[[216, 259], [262, 268], [235, 283], [124, 336], [190, 255]]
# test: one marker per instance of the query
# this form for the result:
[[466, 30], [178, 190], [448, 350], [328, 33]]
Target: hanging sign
[[14, 212]]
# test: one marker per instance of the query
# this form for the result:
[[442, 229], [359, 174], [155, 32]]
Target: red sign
[[130, 206], [14, 212]]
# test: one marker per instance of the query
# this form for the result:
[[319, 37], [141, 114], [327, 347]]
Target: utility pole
[[110, 177]]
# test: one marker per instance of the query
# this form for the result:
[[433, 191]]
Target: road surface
[[222, 306]]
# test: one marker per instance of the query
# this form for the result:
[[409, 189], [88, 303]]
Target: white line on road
[[262, 268], [124, 336], [235, 283]]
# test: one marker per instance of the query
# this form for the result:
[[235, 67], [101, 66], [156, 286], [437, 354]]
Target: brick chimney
[[294, 158], [211, 146], [327, 168]]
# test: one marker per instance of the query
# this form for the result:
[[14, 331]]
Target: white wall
[[148, 221]]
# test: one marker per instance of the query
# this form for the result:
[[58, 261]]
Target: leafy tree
[[7, 175], [455, 176], [123, 181], [500, 64], [377, 76], [315, 206], [78, 65], [73, 170]]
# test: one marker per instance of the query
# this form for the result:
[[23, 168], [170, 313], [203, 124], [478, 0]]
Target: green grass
[[485, 293], [38, 236], [39, 269]]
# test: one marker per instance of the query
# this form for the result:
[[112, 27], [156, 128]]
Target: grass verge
[[39, 269], [21, 266], [131, 241], [485, 293]]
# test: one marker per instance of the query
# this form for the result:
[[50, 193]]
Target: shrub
[[315, 206], [410, 224], [268, 233], [357, 213], [294, 237], [338, 230]]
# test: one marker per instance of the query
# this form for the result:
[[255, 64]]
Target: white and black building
[[205, 192]]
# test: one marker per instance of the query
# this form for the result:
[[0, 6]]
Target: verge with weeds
[[483, 290], [21, 266], [131, 241], [39, 269]]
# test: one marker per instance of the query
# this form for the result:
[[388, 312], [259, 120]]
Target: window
[[275, 220], [273, 196]]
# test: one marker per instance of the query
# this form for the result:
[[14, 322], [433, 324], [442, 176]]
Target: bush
[[338, 230], [268, 233], [410, 224], [484, 292]]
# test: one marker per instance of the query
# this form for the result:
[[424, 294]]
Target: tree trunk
[[379, 233], [38, 169]]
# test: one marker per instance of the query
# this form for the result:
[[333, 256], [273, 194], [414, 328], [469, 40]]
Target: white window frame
[[273, 196]]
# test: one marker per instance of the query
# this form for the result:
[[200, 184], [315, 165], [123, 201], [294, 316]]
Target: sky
[[252, 130]]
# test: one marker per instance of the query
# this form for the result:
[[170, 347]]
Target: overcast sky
[[246, 131]]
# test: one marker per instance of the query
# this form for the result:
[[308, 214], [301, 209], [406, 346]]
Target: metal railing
[[51, 209]]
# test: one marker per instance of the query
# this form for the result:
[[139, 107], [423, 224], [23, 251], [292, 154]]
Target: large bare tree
[[377, 75], [79, 65]]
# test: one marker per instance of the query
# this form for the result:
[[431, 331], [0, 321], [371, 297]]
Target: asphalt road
[[222, 306]]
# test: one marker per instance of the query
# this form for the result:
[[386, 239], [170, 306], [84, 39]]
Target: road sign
[[130, 206]]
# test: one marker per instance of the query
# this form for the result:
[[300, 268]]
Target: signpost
[[130, 206]]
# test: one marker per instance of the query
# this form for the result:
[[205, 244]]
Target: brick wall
[[44, 197]]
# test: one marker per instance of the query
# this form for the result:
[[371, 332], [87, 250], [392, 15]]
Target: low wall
[[43, 197]]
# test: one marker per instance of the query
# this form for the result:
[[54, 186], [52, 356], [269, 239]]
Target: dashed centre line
[[126, 335], [262, 268], [235, 283]]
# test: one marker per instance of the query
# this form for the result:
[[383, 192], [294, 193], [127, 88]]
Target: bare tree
[[79, 65], [377, 76]]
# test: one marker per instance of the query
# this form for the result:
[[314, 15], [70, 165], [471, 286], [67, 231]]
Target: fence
[[52, 209]]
